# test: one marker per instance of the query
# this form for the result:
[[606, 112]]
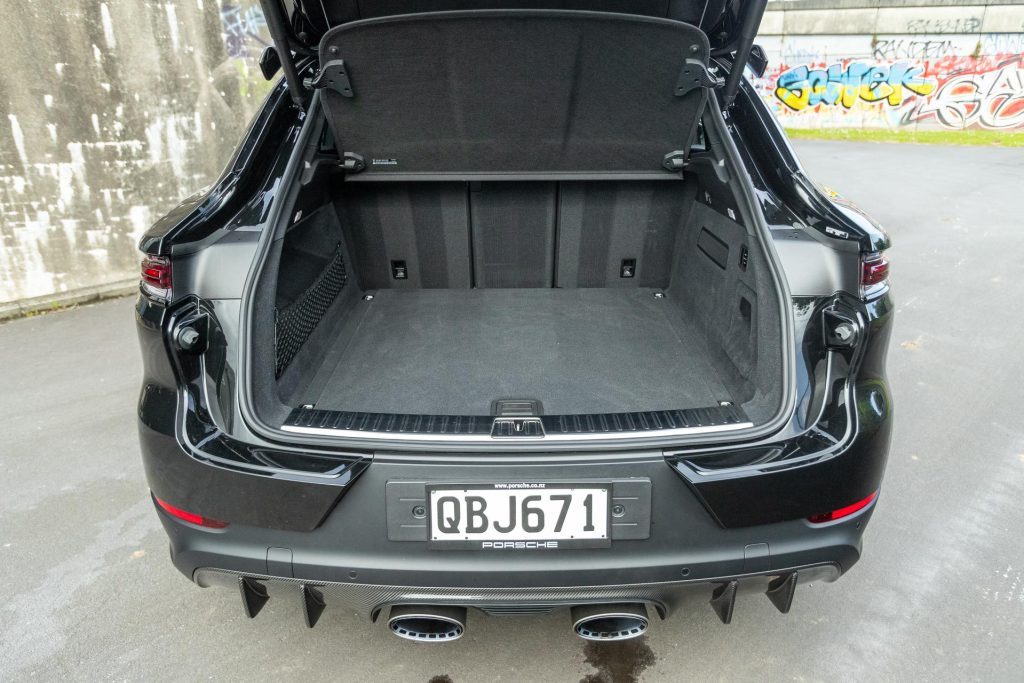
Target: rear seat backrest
[[603, 224], [513, 227], [512, 234], [422, 226]]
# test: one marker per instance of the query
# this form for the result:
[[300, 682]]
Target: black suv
[[514, 308]]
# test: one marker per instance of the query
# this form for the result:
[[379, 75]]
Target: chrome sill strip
[[477, 438]]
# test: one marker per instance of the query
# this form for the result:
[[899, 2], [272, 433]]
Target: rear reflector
[[190, 517], [842, 512], [874, 270], [156, 276]]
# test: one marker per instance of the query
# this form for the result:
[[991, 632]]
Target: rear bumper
[[350, 556], [370, 599], [320, 518]]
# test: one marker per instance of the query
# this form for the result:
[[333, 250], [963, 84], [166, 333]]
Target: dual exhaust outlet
[[433, 624], [438, 624]]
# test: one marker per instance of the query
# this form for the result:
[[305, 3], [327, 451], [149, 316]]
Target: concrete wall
[[950, 64], [111, 112]]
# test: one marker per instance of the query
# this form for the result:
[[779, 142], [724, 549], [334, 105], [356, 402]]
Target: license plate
[[530, 516]]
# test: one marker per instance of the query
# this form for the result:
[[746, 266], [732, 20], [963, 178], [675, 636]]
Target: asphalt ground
[[87, 591]]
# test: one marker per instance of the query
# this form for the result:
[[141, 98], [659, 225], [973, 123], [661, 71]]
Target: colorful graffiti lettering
[[949, 91], [992, 99], [846, 84]]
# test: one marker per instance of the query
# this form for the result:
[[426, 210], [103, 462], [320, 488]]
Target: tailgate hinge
[[674, 161], [334, 76], [696, 74], [352, 162]]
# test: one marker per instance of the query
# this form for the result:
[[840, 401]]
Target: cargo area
[[587, 297], [454, 352], [521, 206]]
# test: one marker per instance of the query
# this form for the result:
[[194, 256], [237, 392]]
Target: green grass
[[926, 137]]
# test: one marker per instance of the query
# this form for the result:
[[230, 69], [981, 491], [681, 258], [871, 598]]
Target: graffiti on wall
[[905, 82], [847, 84], [958, 25], [245, 29], [986, 98], [137, 106], [911, 48]]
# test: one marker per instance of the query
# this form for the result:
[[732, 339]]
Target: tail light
[[156, 277], [874, 272], [190, 517], [843, 511]]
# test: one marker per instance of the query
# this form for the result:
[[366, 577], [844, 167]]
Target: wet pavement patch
[[618, 662]]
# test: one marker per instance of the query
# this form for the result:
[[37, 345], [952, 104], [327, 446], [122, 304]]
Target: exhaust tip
[[609, 622], [427, 624]]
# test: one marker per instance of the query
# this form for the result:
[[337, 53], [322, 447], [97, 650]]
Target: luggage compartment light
[[843, 511], [190, 517]]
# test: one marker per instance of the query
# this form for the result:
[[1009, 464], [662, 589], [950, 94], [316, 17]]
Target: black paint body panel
[[328, 507]]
